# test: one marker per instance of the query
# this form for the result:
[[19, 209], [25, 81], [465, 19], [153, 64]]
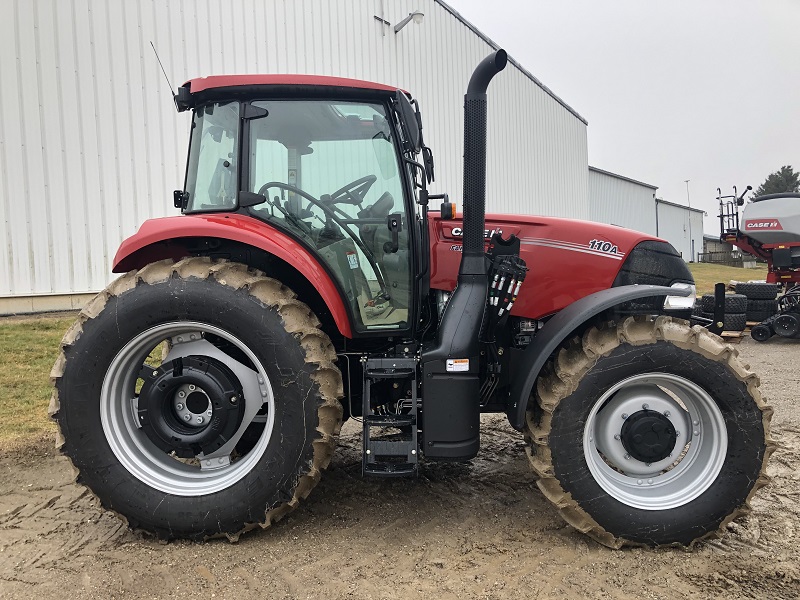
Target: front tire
[[649, 433], [160, 342]]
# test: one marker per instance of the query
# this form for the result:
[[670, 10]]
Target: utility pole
[[691, 239]]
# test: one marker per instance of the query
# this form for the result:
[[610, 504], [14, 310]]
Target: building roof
[[697, 210], [623, 178], [522, 69]]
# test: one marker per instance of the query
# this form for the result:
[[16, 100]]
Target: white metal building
[[91, 145], [681, 226], [622, 201], [633, 204]]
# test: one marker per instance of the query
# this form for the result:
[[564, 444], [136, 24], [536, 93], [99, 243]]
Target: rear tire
[[683, 375], [279, 364]]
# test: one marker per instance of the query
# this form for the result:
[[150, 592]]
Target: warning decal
[[456, 365]]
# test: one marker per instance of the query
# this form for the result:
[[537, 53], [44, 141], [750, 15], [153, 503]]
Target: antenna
[[174, 97]]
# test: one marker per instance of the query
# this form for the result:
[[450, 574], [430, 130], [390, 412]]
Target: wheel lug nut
[[179, 406], [187, 417], [208, 412], [645, 406], [192, 387], [627, 457], [624, 415], [199, 419], [695, 423], [617, 437], [666, 413], [181, 394], [696, 432], [234, 399]]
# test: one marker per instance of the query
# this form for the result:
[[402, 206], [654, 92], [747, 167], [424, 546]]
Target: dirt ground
[[480, 530]]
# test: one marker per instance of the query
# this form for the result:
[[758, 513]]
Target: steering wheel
[[333, 217], [355, 191]]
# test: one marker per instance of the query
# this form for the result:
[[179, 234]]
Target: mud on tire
[[661, 374], [256, 325]]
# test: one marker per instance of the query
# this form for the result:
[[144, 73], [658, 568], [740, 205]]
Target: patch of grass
[[28, 349], [708, 274]]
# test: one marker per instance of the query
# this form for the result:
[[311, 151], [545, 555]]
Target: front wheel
[[649, 432], [197, 399]]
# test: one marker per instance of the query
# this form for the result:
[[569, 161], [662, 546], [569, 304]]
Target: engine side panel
[[568, 259]]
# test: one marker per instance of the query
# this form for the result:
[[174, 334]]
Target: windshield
[[211, 173], [330, 175]]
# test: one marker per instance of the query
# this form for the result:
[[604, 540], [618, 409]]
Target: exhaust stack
[[451, 368], [475, 162]]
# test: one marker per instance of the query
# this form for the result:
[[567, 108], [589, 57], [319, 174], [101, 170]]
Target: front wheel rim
[[695, 462], [138, 454]]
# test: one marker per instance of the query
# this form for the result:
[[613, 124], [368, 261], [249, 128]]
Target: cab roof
[[201, 84]]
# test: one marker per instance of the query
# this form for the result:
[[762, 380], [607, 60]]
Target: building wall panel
[[680, 226], [90, 143], [622, 202]]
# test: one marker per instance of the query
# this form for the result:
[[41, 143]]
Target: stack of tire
[[761, 302], [735, 311]]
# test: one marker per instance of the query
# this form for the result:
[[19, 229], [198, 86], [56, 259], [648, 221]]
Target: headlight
[[681, 302]]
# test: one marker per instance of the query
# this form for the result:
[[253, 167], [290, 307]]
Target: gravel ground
[[480, 530]]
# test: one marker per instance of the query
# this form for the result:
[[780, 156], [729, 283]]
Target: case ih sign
[[772, 224]]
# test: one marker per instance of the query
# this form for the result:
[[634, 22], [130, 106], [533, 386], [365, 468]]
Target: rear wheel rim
[[138, 454], [695, 462]]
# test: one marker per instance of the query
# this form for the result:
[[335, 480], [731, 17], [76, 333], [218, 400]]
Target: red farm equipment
[[769, 228], [200, 394]]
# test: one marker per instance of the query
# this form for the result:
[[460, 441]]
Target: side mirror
[[250, 199], [408, 118], [180, 199]]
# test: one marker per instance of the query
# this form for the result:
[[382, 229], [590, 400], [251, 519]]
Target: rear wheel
[[197, 399], [649, 432]]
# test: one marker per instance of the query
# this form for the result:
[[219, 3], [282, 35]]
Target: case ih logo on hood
[[762, 224], [487, 233]]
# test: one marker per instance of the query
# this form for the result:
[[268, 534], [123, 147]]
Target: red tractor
[[306, 282]]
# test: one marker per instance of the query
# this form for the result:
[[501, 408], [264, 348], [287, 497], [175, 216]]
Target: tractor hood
[[568, 259]]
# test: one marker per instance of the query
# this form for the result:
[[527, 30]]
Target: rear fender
[[158, 239], [559, 328]]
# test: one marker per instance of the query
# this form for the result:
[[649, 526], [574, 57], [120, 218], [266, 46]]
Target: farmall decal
[[604, 246], [763, 224]]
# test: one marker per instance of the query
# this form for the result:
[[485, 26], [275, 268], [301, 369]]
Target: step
[[390, 469], [390, 420], [389, 373]]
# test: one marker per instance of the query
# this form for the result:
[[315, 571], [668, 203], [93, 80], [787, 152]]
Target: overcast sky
[[705, 90]]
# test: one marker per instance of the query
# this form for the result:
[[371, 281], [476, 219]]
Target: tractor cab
[[331, 173]]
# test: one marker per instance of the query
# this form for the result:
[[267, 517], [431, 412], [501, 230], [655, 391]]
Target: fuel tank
[[567, 259], [772, 219]]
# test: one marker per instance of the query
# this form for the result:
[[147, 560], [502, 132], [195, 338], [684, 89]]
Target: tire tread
[[297, 318], [575, 359]]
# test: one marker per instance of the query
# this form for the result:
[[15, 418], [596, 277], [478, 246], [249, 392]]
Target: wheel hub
[[190, 405], [193, 405], [648, 436]]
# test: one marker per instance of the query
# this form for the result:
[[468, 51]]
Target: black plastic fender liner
[[558, 328]]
